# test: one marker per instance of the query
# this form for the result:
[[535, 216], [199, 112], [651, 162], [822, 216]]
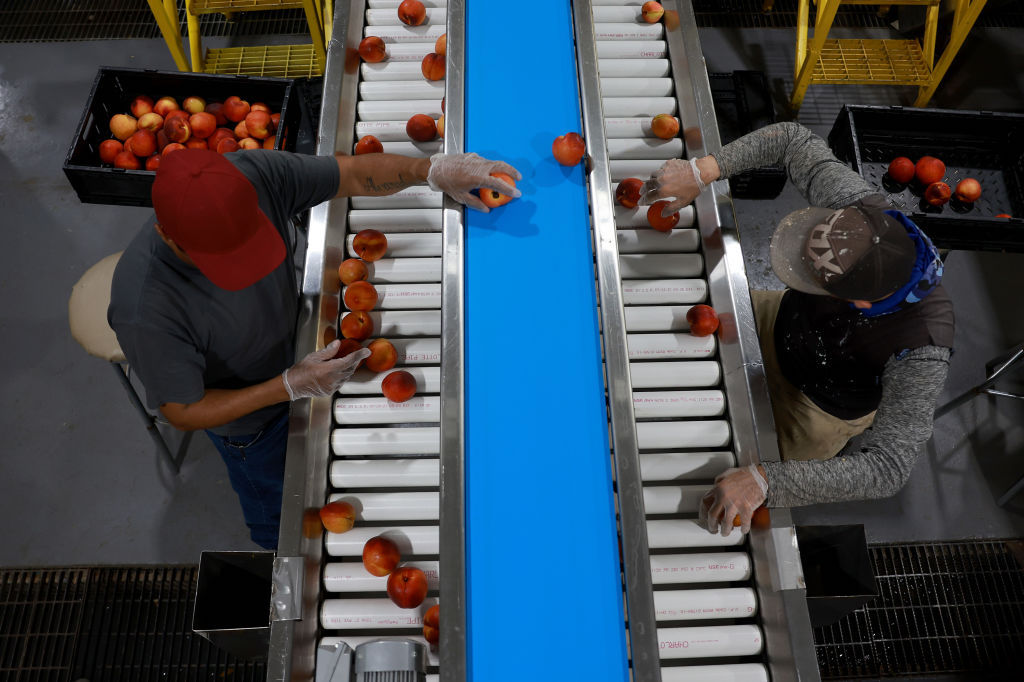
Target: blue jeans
[[256, 469]]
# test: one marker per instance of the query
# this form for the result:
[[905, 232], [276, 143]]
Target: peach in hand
[[383, 356], [493, 198], [655, 219]]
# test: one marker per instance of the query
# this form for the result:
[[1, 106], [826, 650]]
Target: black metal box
[[112, 93], [985, 145]]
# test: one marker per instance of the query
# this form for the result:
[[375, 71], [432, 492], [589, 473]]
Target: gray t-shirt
[[183, 335]]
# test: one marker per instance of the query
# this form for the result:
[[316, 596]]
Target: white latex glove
[[458, 174], [675, 181], [318, 374], [737, 492]]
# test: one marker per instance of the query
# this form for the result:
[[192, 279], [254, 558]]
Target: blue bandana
[[925, 276]]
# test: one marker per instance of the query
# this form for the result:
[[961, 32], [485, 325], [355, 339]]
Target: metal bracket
[[286, 588]]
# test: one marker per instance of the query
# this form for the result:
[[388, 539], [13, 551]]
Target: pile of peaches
[[156, 128], [929, 173]]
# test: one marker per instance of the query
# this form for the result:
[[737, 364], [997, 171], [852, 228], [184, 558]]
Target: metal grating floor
[[108, 624], [942, 608]]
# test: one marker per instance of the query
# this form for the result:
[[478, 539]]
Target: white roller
[[710, 641], [419, 150], [350, 576], [637, 86], [395, 220], [391, 323], [384, 16], [405, 245], [686, 374], [628, 30], [669, 346], [651, 241], [393, 4], [680, 533], [633, 168], [631, 49], [364, 614], [728, 672], [619, 14], [682, 434], [723, 602], [417, 351], [644, 148], [391, 506], [673, 499], [408, 52], [355, 640], [655, 291], [411, 540], [656, 318], [633, 68], [385, 473], [673, 466], [402, 270], [678, 404], [420, 409], [708, 567], [637, 217], [651, 266], [393, 90], [410, 440], [639, 126], [389, 71], [418, 196], [408, 296], [399, 110], [365, 382], [619, 107], [426, 33]]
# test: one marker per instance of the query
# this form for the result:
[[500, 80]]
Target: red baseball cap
[[211, 210]]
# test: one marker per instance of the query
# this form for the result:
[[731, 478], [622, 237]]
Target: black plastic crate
[[112, 92], [743, 103], [987, 146]]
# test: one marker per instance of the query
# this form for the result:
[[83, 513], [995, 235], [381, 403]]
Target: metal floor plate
[[942, 608]]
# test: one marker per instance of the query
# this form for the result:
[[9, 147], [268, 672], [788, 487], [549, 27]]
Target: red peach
[[218, 135], [440, 125], [110, 149], [432, 625], [193, 104], [357, 325], [226, 146], [372, 49], [370, 245], [407, 586], [352, 270], [568, 149], [383, 356], [346, 347], [399, 386], [433, 66], [259, 106], [153, 122], [141, 143], [250, 143], [127, 160], [380, 556], [235, 108], [217, 109], [901, 170], [652, 11], [968, 190], [665, 126], [172, 147], [330, 333], [203, 124], [627, 194], [161, 139], [929, 170], [153, 162], [165, 105], [368, 144], [493, 198], [937, 194], [703, 320], [412, 12], [141, 105], [196, 143], [360, 295], [655, 220], [241, 131], [338, 517], [258, 124], [441, 44], [269, 142], [421, 128], [123, 126], [177, 130]]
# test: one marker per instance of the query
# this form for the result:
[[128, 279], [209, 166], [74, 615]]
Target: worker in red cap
[[205, 299], [859, 343]]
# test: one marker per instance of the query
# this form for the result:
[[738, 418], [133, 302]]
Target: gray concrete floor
[[81, 483]]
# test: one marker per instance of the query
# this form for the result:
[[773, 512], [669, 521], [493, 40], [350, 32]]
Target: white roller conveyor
[[728, 672], [676, 466], [636, 87], [663, 291], [645, 148], [407, 296], [692, 373], [635, 126], [620, 169], [385, 473], [420, 409], [630, 107], [391, 506], [419, 196], [350, 576], [364, 614], [416, 351], [637, 217], [628, 30], [391, 323], [709, 567], [622, 14], [651, 241], [414, 440], [682, 434], [722, 602], [411, 540], [673, 499], [417, 150], [649, 266], [393, 90], [399, 110], [710, 641], [678, 404], [403, 245], [669, 346], [355, 640], [398, 270], [653, 318], [426, 33], [631, 49], [679, 533], [395, 220], [389, 71], [633, 68]]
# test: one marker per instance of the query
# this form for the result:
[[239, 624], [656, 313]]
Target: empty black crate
[[987, 146], [112, 93], [743, 103]]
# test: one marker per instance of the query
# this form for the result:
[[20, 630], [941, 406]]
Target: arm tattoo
[[386, 187]]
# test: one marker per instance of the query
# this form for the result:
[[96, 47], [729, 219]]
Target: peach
[[440, 125], [568, 149], [360, 296], [432, 625], [357, 325], [269, 143], [493, 198], [312, 526], [937, 194], [153, 122], [196, 143], [655, 220], [259, 106], [165, 105], [901, 170], [441, 44], [383, 356], [141, 105], [407, 586], [1004, 215], [929, 170], [421, 128], [652, 11], [338, 517], [380, 556], [627, 194], [412, 12], [226, 146], [665, 126], [370, 245], [141, 143], [161, 139], [193, 104], [372, 49], [258, 124], [235, 108], [352, 270], [153, 162], [241, 130], [218, 135], [249, 143], [703, 320], [110, 149], [217, 109], [126, 160], [177, 130], [330, 333], [346, 347], [203, 124], [172, 147], [433, 66], [968, 190], [399, 386], [123, 126], [368, 144]]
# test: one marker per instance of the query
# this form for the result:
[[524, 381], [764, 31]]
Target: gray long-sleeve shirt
[[911, 382]]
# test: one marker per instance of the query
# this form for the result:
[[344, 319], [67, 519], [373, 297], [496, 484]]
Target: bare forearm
[[379, 174], [220, 406]]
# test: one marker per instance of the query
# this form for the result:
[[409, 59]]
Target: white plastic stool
[[87, 315]]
